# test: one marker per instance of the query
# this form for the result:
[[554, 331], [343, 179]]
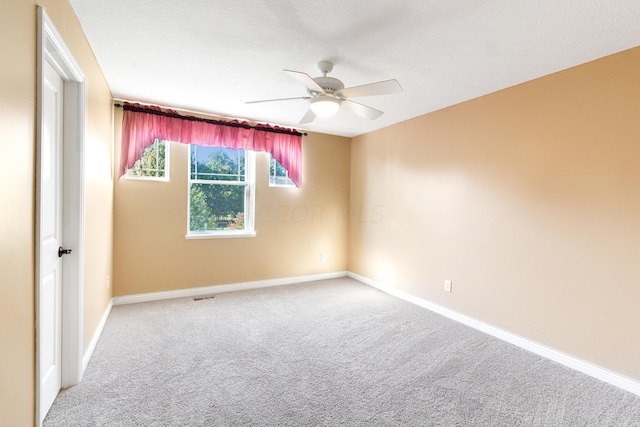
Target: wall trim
[[96, 336], [567, 360], [215, 289]]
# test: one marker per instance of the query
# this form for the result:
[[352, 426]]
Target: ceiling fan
[[327, 94]]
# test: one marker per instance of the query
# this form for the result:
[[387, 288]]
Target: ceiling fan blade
[[361, 110], [306, 80], [277, 99], [379, 88], [308, 118]]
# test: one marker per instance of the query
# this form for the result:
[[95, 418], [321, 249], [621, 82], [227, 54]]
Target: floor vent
[[202, 298]]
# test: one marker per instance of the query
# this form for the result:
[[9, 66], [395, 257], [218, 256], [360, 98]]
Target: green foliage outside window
[[152, 163], [218, 189]]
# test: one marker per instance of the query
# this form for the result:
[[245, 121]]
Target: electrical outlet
[[447, 285], [323, 258]]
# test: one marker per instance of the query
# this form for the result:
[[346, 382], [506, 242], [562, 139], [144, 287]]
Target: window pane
[[216, 207], [153, 163], [217, 164], [221, 190], [278, 175]]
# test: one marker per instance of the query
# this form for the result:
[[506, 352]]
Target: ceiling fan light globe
[[325, 106]]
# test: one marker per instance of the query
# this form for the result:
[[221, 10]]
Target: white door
[[50, 240]]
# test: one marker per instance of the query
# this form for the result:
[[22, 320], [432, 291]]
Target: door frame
[[52, 48]]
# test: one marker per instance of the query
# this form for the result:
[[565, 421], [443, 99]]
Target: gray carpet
[[327, 353]]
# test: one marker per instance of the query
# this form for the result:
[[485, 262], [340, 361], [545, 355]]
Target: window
[[221, 192], [153, 164], [278, 175]]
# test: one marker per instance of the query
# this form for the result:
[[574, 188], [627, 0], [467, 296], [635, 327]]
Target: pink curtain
[[141, 128]]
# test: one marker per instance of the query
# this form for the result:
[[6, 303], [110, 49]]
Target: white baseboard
[[96, 337], [215, 289], [572, 362]]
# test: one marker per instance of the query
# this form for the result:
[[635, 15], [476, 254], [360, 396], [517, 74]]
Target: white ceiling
[[212, 56]]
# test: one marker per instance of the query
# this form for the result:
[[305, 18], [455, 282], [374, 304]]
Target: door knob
[[62, 251]]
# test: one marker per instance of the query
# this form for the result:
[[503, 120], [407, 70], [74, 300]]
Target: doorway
[[61, 106]]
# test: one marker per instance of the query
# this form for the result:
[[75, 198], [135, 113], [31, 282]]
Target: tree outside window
[[153, 164], [220, 190]]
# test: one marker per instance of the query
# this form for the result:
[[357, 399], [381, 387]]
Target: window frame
[[249, 200], [167, 164]]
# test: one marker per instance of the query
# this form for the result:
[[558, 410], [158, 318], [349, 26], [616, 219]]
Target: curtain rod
[[210, 121]]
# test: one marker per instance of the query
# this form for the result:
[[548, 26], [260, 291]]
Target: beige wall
[[527, 199], [17, 151], [294, 226], [18, 30]]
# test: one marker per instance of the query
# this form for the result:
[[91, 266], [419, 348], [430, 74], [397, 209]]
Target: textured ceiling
[[212, 56]]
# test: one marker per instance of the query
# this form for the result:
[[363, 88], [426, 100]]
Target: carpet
[[327, 353]]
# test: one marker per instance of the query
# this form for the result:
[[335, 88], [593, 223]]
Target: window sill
[[220, 235], [282, 186], [146, 178]]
